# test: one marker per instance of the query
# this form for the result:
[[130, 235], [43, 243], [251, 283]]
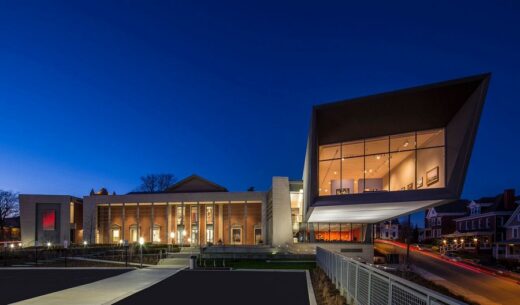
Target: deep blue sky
[[98, 94]]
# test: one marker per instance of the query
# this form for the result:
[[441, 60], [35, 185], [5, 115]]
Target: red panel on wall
[[49, 220]]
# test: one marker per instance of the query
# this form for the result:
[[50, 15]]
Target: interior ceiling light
[[335, 173], [378, 157], [406, 144]]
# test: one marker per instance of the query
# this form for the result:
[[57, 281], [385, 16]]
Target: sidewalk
[[107, 291]]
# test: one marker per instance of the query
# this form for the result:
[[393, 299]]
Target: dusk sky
[[99, 93]]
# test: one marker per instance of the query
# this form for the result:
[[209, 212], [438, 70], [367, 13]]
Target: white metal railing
[[364, 284]]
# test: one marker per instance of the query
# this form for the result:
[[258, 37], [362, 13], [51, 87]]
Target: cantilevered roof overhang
[[455, 105]]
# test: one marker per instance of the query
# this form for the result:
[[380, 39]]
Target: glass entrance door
[[236, 236], [194, 240]]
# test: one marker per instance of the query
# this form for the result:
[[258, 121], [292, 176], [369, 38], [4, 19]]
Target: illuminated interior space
[[409, 161]]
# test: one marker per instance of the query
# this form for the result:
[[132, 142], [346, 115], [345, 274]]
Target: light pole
[[141, 243]]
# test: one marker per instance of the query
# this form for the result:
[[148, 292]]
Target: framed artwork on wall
[[420, 182], [343, 191], [432, 176], [409, 186]]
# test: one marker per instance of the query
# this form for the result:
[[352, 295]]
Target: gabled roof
[[493, 204], [195, 184], [511, 219]]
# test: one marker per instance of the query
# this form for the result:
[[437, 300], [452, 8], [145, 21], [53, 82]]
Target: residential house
[[389, 229], [509, 249], [485, 224], [439, 220]]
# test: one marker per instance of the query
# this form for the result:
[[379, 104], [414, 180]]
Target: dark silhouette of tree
[[251, 189], [8, 208], [156, 182]]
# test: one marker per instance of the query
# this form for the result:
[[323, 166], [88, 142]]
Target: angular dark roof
[[195, 184], [459, 206], [497, 203]]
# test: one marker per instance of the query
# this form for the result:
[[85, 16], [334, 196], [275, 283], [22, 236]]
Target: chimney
[[509, 199]]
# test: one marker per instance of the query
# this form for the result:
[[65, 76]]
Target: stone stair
[[179, 259]]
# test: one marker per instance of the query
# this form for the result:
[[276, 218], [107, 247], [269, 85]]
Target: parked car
[[451, 256]]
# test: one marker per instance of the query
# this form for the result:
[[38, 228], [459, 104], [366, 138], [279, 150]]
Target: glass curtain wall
[[408, 161], [319, 232]]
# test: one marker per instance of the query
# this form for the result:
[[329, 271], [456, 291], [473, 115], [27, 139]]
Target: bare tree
[[8, 208], [156, 182]]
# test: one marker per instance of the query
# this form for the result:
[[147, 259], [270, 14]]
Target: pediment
[[195, 184]]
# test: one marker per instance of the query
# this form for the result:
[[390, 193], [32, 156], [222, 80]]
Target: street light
[[11, 246], [49, 244], [20, 245], [141, 243]]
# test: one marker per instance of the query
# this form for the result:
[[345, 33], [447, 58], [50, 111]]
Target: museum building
[[367, 160]]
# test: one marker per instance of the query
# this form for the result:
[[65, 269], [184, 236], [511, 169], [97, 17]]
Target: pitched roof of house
[[496, 203], [195, 184]]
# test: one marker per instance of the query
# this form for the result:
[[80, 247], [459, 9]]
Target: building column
[[151, 223], [229, 223], [123, 222], [168, 223], [109, 224], [199, 215], [138, 223], [220, 222], [245, 224]]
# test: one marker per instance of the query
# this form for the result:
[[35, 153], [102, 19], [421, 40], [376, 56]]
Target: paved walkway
[[107, 291]]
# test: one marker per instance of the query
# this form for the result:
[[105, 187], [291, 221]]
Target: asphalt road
[[479, 286], [17, 285], [226, 287]]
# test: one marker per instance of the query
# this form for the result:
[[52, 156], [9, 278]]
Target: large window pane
[[376, 173], [334, 232], [352, 175], [329, 177], [430, 138], [402, 171], [430, 168], [328, 152], [376, 145], [356, 232], [345, 232], [352, 149], [402, 142], [382, 164]]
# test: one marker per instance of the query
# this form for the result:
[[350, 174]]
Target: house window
[[179, 214], [460, 226], [439, 221], [439, 233], [194, 214], [134, 234], [258, 235], [209, 234], [156, 234], [209, 214], [466, 224], [236, 236], [473, 224], [487, 222]]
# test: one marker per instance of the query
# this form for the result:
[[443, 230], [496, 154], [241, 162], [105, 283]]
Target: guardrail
[[364, 284]]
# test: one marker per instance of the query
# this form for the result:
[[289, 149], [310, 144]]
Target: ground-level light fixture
[[475, 239], [85, 243], [49, 244], [120, 241], [462, 240], [11, 246], [172, 234], [141, 241], [20, 245], [444, 241], [183, 232]]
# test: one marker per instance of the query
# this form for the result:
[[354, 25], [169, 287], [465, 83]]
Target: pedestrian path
[[107, 291]]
